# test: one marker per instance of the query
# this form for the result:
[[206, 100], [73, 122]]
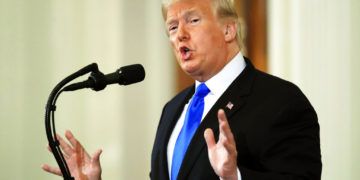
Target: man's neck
[[233, 51]]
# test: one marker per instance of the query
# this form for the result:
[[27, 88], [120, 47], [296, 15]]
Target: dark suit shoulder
[[272, 87], [278, 101], [275, 83]]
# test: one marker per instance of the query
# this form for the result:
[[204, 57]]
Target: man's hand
[[223, 154], [81, 165]]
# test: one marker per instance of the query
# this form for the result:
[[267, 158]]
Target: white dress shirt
[[217, 85]]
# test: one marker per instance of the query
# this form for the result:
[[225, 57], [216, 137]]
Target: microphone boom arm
[[50, 124]]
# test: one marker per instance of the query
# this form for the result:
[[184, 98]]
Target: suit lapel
[[231, 101], [173, 112]]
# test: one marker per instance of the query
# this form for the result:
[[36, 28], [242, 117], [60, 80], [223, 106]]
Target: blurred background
[[315, 44]]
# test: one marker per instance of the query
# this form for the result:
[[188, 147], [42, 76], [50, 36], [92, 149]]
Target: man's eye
[[195, 20], [172, 28]]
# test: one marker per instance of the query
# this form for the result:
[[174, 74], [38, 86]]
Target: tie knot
[[202, 90]]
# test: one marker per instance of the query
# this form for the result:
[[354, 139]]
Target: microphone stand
[[50, 118]]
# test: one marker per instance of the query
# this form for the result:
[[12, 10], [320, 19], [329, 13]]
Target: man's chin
[[194, 74], [189, 70]]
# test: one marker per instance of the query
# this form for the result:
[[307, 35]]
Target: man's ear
[[230, 29]]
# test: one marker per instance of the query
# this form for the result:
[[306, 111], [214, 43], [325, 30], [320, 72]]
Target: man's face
[[197, 38]]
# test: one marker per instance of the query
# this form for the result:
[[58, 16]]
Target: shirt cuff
[[238, 174]]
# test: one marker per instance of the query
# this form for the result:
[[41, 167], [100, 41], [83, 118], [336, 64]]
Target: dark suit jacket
[[275, 128]]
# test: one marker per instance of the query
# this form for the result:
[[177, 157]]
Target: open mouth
[[185, 52]]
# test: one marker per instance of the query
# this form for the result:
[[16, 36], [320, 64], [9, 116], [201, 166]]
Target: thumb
[[96, 157], [209, 138]]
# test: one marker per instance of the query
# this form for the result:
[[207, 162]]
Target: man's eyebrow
[[170, 21], [184, 14], [189, 13]]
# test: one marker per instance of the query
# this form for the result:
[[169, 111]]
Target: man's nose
[[182, 33]]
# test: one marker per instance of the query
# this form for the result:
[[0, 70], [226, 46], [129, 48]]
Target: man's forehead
[[186, 8], [181, 13]]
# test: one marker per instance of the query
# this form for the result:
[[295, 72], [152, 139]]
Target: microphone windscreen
[[131, 74]]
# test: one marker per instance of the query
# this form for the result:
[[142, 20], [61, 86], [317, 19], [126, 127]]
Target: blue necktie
[[191, 123]]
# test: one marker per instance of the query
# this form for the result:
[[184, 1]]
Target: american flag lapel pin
[[229, 105]]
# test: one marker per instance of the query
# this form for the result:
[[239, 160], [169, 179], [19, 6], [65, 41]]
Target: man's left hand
[[223, 154]]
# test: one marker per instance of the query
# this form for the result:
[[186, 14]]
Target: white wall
[[43, 41], [315, 44]]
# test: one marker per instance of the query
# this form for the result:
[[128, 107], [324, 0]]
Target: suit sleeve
[[291, 146]]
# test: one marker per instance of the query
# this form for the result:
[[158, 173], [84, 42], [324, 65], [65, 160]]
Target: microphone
[[123, 76]]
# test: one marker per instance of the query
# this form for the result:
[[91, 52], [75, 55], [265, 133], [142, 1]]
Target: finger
[[69, 136], [96, 157], [209, 138], [52, 170], [224, 126], [66, 148], [75, 143]]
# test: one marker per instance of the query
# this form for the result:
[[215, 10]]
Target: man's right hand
[[82, 166]]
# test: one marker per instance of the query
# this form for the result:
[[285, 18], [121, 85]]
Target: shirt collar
[[222, 80]]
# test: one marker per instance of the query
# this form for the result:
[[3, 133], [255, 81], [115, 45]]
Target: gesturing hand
[[81, 165], [223, 154]]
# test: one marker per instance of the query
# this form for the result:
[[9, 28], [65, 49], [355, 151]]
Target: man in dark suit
[[234, 123], [253, 125]]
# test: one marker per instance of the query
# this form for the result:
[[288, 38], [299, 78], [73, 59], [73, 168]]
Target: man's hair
[[223, 9]]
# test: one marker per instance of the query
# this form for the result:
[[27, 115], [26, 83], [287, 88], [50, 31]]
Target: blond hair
[[223, 9]]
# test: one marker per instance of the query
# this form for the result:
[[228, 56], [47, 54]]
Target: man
[[235, 122], [270, 130]]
